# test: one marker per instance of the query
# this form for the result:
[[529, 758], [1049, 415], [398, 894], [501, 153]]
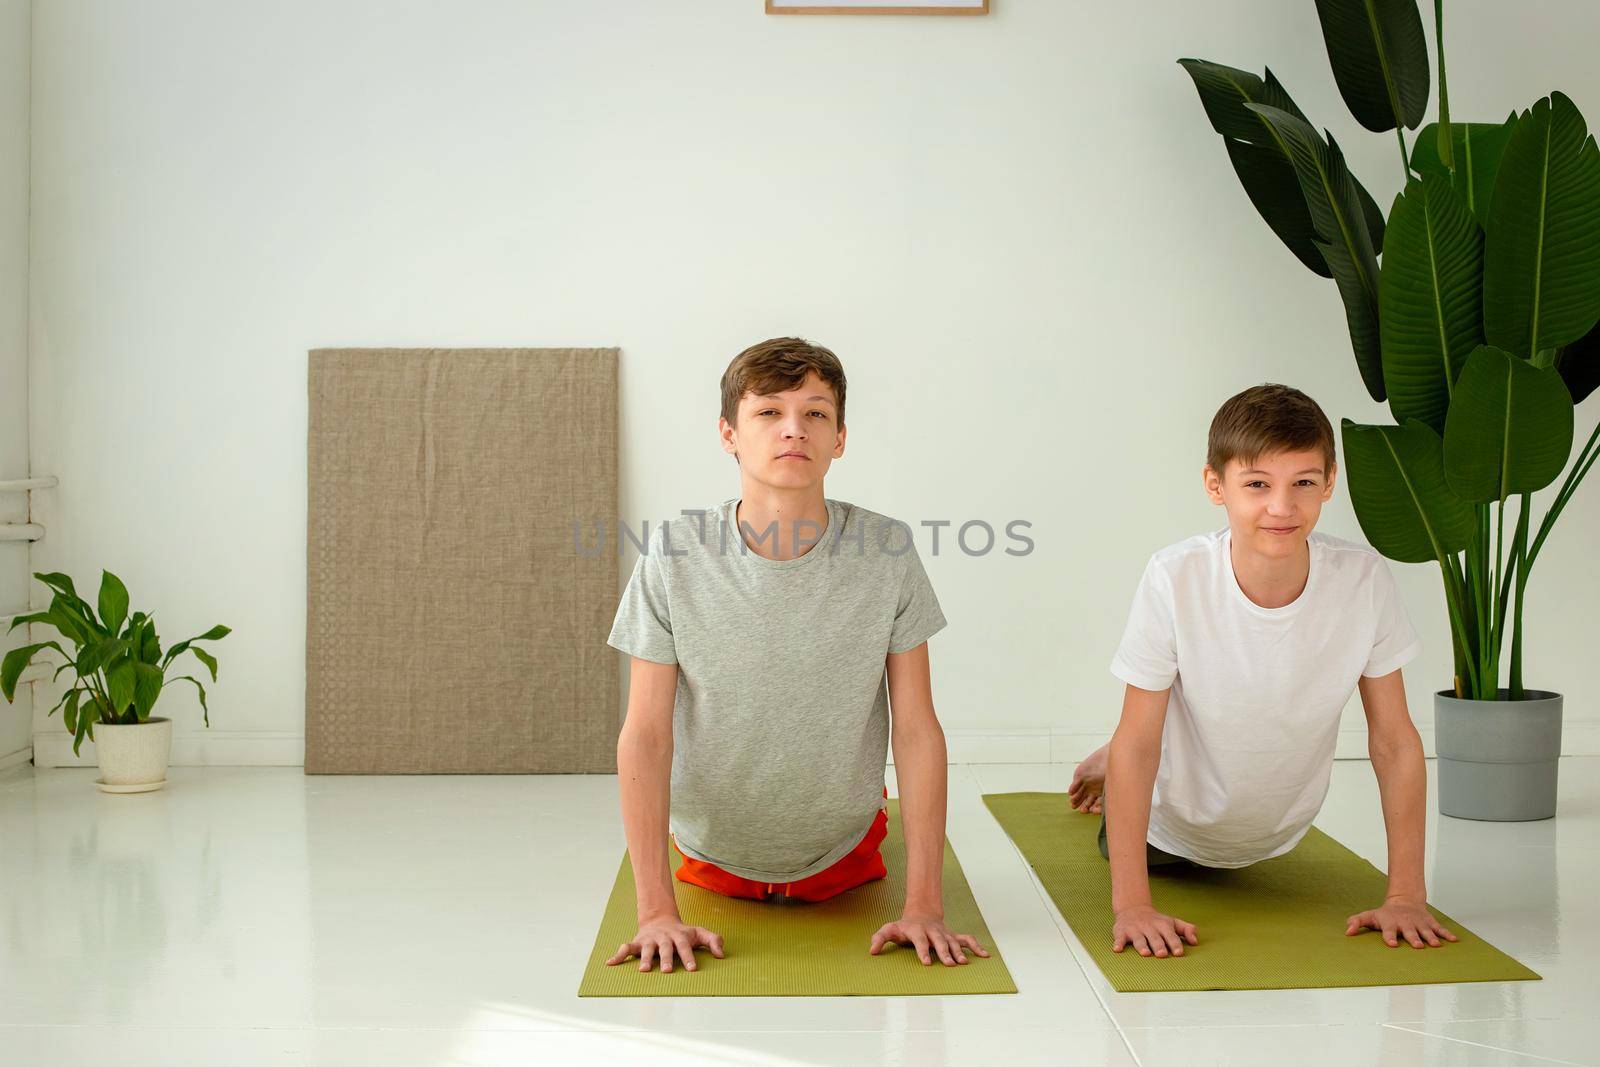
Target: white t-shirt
[[1257, 692]]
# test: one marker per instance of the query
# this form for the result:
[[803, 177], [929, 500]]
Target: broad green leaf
[[150, 644], [1477, 147], [23, 620], [1374, 216], [1429, 292], [1270, 182], [69, 622], [1397, 484], [15, 662], [207, 658], [67, 597], [97, 655], [1510, 428], [1541, 272], [70, 715], [1225, 90], [120, 684], [113, 601], [146, 689], [82, 731], [1341, 234], [86, 628], [216, 633], [1379, 58], [1579, 365], [1256, 151], [61, 583]]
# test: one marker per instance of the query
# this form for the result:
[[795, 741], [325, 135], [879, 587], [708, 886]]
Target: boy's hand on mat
[[1088, 788], [1150, 932], [1397, 918], [928, 935], [658, 939]]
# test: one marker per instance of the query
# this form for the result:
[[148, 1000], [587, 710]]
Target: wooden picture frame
[[877, 7]]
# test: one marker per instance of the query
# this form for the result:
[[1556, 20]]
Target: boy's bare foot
[[1087, 791]]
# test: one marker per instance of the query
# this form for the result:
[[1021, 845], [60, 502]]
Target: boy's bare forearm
[[644, 773], [921, 770], [1130, 776], [1403, 790]]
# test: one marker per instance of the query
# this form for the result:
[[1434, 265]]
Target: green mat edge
[[1005, 986], [1528, 973]]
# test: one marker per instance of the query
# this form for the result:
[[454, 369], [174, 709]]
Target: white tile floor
[[249, 916]]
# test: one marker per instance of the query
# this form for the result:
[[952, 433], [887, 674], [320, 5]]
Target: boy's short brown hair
[[1268, 418], [778, 364]]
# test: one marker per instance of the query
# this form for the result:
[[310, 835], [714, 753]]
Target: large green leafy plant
[[119, 667], [1472, 308]]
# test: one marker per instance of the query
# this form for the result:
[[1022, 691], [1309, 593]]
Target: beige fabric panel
[[451, 626]]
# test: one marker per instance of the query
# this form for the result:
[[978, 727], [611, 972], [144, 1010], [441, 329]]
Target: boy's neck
[[763, 509], [1267, 581]]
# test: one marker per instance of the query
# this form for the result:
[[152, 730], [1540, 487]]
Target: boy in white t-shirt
[[1241, 650]]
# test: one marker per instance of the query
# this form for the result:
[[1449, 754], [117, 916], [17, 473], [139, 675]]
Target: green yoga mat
[[783, 948], [1277, 924]]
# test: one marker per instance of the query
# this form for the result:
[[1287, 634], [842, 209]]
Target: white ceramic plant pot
[[133, 756]]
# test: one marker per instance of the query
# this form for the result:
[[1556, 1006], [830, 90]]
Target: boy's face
[[789, 439], [1272, 503]]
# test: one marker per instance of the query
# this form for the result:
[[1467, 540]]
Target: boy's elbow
[[1399, 741], [919, 729], [637, 740]]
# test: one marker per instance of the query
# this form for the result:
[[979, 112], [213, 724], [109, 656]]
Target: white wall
[[15, 719], [1018, 231]]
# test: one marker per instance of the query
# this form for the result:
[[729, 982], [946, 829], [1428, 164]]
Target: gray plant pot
[[1497, 758]]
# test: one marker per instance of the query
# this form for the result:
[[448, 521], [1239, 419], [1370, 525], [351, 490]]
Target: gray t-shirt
[[780, 727]]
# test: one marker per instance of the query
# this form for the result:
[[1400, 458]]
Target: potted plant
[[119, 672], [1478, 327]]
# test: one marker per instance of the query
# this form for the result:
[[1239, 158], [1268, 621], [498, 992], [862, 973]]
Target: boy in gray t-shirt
[[760, 630]]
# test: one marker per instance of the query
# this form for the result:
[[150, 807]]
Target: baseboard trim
[[219, 748], [1069, 746], [12, 760], [239, 748]]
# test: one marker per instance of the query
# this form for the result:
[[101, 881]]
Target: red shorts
[[860, 865]]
